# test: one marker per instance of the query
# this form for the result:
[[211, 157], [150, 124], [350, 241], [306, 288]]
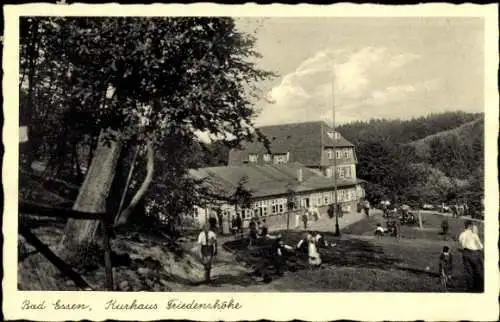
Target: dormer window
[[334, 135], [252, 158]]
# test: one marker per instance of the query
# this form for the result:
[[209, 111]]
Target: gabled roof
[[304, 141], [264, 180]]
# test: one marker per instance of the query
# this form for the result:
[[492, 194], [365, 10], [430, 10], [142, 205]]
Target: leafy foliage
[[160, 79]]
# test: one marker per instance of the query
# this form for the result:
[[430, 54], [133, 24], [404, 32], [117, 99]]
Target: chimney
[[299, 175]]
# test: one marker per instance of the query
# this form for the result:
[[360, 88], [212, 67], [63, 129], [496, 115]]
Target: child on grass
[[445, 263]]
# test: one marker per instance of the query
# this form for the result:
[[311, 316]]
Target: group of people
[[310, 244], [469, 245]]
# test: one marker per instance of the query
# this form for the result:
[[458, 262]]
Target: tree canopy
[[162, 79]]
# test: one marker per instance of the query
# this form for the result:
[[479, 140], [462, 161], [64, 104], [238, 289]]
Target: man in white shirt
[[208, 242], [471, 247]]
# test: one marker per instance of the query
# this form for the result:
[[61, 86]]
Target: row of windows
[[345, 153], [263, 208], [342, 172], [275, 158], [325, 198]]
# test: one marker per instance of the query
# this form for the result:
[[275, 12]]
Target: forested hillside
[[404, 131], [432, 159]]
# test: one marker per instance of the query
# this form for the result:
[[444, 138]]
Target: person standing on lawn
[[264, 230], [454, 210], [366, 207], [252, 227], [239, 224], [305, 218], [444, 228], [471, 248], [212, 221], [312, 249], [278, 255], [234, 226], [445, 265], [220, 222], [208, 242]]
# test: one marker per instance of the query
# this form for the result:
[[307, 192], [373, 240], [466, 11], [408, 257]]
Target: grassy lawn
[[431, 224], [361, 262]]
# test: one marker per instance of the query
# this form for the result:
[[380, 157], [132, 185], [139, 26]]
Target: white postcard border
[[273, 306]]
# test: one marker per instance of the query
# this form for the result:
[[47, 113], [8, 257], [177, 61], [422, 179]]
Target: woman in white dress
[[312, 249]]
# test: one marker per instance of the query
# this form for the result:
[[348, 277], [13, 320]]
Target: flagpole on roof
[[335, 200]]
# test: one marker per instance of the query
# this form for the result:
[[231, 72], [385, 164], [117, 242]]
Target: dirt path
[[228, 273]]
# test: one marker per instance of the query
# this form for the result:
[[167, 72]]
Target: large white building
[[298, 164]]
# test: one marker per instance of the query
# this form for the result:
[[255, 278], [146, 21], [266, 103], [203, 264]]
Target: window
[[260, 208], [346, 154], [267, 157], [330, 154], [252, 158], [337, 154], [333, 134], [273, 206], [280, 158], [347, 172], [281, 208]]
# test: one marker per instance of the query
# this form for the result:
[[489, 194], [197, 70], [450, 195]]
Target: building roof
[[264, 180], [304, 141]]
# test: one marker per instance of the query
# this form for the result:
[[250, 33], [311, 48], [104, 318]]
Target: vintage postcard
[[216, 162]]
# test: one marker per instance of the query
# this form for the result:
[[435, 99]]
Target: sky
[[379, 67]]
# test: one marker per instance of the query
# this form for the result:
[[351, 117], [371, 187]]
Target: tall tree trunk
[[92, 196], [124, 216]]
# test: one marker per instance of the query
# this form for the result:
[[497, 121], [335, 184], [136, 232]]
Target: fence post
[[420, 223], [107, 255]]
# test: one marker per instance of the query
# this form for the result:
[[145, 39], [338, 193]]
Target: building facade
[[297, 166], [313, 144], [274, 189]]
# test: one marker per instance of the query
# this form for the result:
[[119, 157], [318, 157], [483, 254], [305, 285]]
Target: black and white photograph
[[242, 154]]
